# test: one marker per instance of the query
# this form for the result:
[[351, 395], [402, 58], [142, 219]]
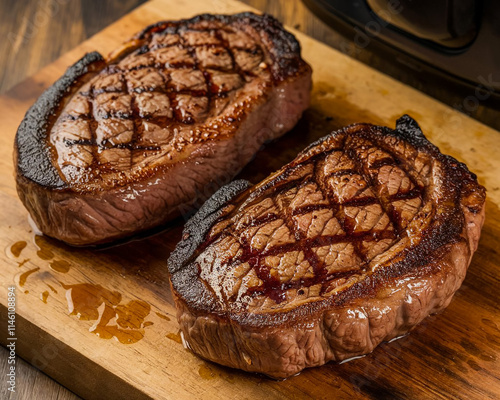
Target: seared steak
[[122, 145], [354, 242]]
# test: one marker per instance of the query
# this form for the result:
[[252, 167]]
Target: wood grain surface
[[453, 355], [33, 384]]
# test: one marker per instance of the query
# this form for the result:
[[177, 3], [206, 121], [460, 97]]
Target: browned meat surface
[[354, 242], [122, 145]]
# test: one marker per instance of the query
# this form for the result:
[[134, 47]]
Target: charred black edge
[[198, 226], [284, 47], [408, 129], [33, 152], [33, 156], [183, 275], [193, 236]]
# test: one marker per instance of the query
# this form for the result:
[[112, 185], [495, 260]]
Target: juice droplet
[[17, 248], [43, 296], [84, 300], [206, 372], [124, 322], [125, 336], [52, 288], [44, 252], [60, 266], [147, 323], [24, 276], [23, 262], [132, 315], [163, 316], [176, 337]]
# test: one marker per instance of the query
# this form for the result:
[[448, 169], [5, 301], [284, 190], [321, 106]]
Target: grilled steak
[[354, 242], [125, 144]]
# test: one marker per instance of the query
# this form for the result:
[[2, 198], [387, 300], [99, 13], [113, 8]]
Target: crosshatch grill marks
[[88, 145], [314, 262], [139, 96], [362, 240], [138, 126], [366, 175], [338, 207], [370, 174], [225, 44], [400, 162], [92, 126], [389, 201], [191, 51], [355, 308], [109, 199], [135, 118]]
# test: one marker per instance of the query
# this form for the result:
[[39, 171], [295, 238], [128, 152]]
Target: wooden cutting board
[[64, 294]]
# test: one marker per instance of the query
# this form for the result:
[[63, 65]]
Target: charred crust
[[53, 169], [281, 44], [408, 130], [195, 231], [33, 152], [198, 226], [408, 127], [423, 258], [465, 181]]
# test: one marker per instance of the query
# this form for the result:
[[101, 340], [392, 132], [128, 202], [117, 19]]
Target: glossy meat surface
[[198, 96], [182, 88], [357, 240]]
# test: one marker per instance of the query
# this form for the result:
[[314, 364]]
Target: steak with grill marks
[[354, 242], [122, 145]]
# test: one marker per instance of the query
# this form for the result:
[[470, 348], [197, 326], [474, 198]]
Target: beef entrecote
[[354, 242], [122, 145]]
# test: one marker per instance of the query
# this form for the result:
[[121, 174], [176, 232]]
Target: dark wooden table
[[35, 33]]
